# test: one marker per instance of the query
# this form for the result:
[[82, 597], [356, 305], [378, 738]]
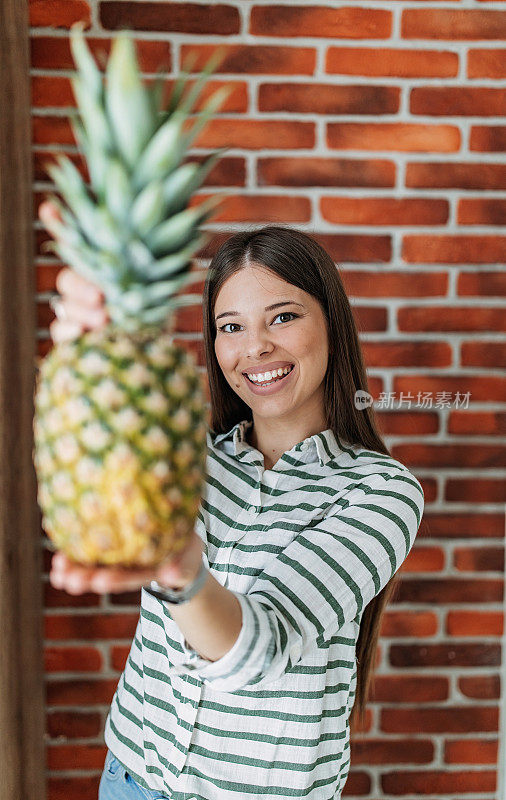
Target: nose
[[258, 344]]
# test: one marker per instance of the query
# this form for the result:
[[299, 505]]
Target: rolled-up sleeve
[[323, 579]]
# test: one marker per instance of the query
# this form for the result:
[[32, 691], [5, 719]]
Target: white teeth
[[262, 377]]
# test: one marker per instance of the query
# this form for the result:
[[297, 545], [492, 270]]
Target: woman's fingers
[[82, 305], [77, 319], [47, 212], [73, 286], [82, 302], [64, 330], [78, 579], [175, 572]]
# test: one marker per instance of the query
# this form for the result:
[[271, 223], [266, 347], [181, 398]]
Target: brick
[[449, 590], [451, 719], [43, 347], [461, 175], [482, 388], [384, 210], [392, 751], [428, 782], [127, 598], [482, 283], [51, 129], [74, 724], [459, 101], [482, 211], [450, 455], [264, 208], [367, 319], [471, 751], [357, 248], [325, 172], [476, 491], [56, 598], [91, 626], [474, 623], [188, 319], [430, 489], [445, 655], [453, 24], [394, 423], [391, 62], [483, 354], [255, 59], [477, 423], [479, 559], [80, 692], [119, 655], [395, 283], [213, 18], [407, 354], [358, 783], [322, 98], [54, 53], [424, 559], [474, 525], [51, 91], [451, 318], [488, 138], [403, 623], [63, 788], [72, 659], [486, 63], [395, 136], [58, 13], [319, 21], [257, 134], [403, 688], [76, 756]]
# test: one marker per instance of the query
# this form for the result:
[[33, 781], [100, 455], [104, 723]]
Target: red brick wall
[[379, 129]]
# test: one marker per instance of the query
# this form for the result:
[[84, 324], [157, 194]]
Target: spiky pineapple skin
[[119, 446]]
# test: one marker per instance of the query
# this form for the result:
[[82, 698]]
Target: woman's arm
[[210, 622]]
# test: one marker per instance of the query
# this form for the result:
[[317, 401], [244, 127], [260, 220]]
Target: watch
[[177, 596]]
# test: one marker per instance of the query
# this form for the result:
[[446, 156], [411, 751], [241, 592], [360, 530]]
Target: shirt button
[[304, 446]]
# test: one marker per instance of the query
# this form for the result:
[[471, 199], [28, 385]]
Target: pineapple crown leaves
[[132, 230]]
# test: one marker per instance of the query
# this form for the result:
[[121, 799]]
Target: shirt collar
[[324, 445]]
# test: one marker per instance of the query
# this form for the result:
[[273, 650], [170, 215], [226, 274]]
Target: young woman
[[245, 690]]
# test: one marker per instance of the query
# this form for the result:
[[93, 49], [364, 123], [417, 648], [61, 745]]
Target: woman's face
[[253, 338]]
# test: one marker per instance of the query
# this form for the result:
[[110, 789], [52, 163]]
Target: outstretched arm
[[210, 621]]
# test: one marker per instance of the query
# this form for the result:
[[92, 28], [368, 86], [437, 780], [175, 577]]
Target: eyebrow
[[267, 308]]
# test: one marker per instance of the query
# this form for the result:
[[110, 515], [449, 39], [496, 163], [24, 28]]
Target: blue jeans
[[117, 784]]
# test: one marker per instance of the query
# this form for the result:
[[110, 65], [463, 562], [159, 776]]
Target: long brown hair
[[298, 259]]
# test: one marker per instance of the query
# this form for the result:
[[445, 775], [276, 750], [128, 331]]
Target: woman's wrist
[[181, 594]]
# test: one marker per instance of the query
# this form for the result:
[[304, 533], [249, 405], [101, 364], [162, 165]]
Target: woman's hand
[[174, 573], [82, 301]]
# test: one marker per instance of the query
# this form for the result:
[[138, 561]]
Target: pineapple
[[119, 426]]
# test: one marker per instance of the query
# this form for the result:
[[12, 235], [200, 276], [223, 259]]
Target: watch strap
[[178, 596]]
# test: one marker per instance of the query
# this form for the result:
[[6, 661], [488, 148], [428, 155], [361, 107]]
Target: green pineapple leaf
[[127, 101], [86, 64]]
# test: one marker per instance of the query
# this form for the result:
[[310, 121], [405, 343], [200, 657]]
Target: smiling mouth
[[274, 380]]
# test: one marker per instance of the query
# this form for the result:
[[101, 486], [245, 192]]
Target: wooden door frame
[[22, 756]]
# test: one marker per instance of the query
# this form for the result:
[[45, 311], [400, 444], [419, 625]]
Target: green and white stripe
[[305, 547]]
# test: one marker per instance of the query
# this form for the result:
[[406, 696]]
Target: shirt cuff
[[223, 673]]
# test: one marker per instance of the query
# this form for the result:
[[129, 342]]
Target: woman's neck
[[272, 439]]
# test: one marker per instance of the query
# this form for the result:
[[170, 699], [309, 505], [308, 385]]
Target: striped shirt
[[304, 546]]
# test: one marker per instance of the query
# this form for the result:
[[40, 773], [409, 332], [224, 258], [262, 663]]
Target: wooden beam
[[22, 760]]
